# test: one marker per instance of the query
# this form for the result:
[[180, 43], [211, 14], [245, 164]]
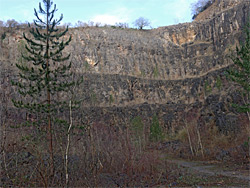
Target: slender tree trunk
[[248, 115], [189, 139], [68, 143], [49, 99], [50, 135], [199, 137], [246, 102]]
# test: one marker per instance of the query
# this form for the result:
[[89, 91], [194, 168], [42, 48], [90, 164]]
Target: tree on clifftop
[[200, 6], [141, 23], [43, 76]]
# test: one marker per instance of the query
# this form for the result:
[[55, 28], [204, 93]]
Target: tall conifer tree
[[44, 75]]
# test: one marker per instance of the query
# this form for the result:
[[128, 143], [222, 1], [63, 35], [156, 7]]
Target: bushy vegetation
[[200, 6], [13, 24], [156, 133], [240, 73]]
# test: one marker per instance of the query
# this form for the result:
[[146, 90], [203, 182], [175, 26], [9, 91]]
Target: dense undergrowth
[[105, 155]]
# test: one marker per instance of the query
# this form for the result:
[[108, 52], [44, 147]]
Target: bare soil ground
[[212, 170], [210, 173]]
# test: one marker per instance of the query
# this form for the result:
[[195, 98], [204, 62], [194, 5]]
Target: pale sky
[[158, 12]]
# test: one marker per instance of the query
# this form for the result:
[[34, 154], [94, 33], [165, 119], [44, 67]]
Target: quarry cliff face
[[130, 73], [176, 52]]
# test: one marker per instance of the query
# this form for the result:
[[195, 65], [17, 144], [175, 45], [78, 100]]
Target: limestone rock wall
[[217, 7], [131, 73], [172, 52]]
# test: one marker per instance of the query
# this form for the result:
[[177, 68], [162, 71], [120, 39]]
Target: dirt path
[[211, 170]]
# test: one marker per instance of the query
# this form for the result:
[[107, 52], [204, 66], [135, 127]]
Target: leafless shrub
[[122, 25]]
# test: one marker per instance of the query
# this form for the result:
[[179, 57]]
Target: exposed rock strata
[[132, 73]]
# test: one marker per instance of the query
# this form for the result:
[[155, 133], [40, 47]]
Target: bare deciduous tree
[[11, 23], [141, 23], [81, 24]]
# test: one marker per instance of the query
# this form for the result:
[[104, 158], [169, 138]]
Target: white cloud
[[106, 19], [118, 15]]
